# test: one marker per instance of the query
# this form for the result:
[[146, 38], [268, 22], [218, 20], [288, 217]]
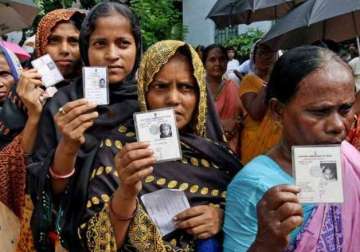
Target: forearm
[[29, 134], [124, 207], [64, 163], [258, 246], [257, 107]]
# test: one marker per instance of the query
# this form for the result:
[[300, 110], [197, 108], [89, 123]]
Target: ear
[[277, 109]]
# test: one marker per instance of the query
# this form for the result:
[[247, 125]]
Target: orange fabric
[[25, 242], [354, 134], [13, 176], [229, 108], [257, 137]]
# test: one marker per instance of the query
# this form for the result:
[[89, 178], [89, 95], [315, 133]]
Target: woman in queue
[[311, 93], [171, 75], [71, 128], [259, 132], [224, 93]]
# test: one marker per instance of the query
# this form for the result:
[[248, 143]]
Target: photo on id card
[[317, 171], [95, 85], [158, 127], [50, 74]]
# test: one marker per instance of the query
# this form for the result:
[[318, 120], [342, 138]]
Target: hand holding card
[[50, 74]]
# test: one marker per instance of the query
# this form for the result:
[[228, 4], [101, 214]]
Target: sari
[[257, 137], [229, 108], [203, 173], [353, 136], [55, 220]]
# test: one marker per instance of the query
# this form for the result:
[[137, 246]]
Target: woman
[[224, 92], [57, 35], [170, 75], [72, 128], [311, 93], [260, 132]]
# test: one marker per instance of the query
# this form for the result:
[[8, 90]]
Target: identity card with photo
[[50, 74], [95, 84], [158, 127], [317, 171]]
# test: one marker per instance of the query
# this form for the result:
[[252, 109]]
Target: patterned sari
[[204, 171]]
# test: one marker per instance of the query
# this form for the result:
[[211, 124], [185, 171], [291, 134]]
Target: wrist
[[260, 245], [67, 148]]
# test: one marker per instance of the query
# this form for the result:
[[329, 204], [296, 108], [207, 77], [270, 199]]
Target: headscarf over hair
[[47, 24], [106, 9], [12, 61], [156, 57]]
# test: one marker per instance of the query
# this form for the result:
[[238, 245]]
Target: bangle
[[121, 218], [55, 175]]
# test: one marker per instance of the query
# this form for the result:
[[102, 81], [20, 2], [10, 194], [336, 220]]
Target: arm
[[279, 213], [255, 105], [76, 118], [31, 95]]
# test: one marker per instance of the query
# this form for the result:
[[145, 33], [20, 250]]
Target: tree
[[159, 21], [244, 42]]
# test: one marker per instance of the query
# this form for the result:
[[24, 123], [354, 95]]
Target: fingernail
[[175, 219]]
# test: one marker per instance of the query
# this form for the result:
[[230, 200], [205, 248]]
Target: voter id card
[[96, 85], [50, 74]]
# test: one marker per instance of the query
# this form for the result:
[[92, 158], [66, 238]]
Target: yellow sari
[[257, 137]]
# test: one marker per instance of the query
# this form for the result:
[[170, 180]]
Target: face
[[328, 174], [215, 63], [264, 58], [321, 111], [112, 44], [6, 79], [231, 54], [63, 47], [165, 130], [174, 86]]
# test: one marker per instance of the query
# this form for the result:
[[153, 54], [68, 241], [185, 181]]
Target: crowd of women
[[73, 172]]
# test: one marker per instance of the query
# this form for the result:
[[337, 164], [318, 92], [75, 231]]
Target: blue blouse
[[244, 192]]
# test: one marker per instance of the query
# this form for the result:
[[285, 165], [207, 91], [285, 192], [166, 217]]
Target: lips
[[63, 62]]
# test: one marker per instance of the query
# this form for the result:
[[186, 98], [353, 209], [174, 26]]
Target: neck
[[281, 153], [213, 84], [263, 74]]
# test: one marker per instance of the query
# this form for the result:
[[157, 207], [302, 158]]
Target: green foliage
[[160, 20], [244, 42]]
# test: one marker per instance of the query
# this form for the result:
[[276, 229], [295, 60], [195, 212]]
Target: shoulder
[[250, 83]]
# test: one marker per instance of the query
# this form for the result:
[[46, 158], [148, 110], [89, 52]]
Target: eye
[[53, 40], [5, 74], [99, 43], [73, 41], [320, 112], [345, 108], [159, 86], [186, 87]]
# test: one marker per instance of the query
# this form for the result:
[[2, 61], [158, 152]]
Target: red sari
[[354, 134]]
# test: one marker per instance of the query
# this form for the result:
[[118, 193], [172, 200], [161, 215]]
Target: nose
[[112, 53], [173, 97], [64, 48], [336, 126]]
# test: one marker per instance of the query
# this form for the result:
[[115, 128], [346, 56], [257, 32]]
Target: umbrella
[[231, 12], [315, 20], [16, 15], [16, 49]]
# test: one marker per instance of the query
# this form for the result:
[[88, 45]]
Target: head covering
[[48, 22], [157, 56], [13, 62]]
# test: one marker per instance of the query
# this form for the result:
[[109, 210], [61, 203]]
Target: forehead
[[3, 63], [331, 83], [65, 29], [216, 52], [114, 24]]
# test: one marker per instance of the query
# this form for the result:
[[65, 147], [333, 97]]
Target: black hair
[[105, 9], [209, 48], [294, 66]]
